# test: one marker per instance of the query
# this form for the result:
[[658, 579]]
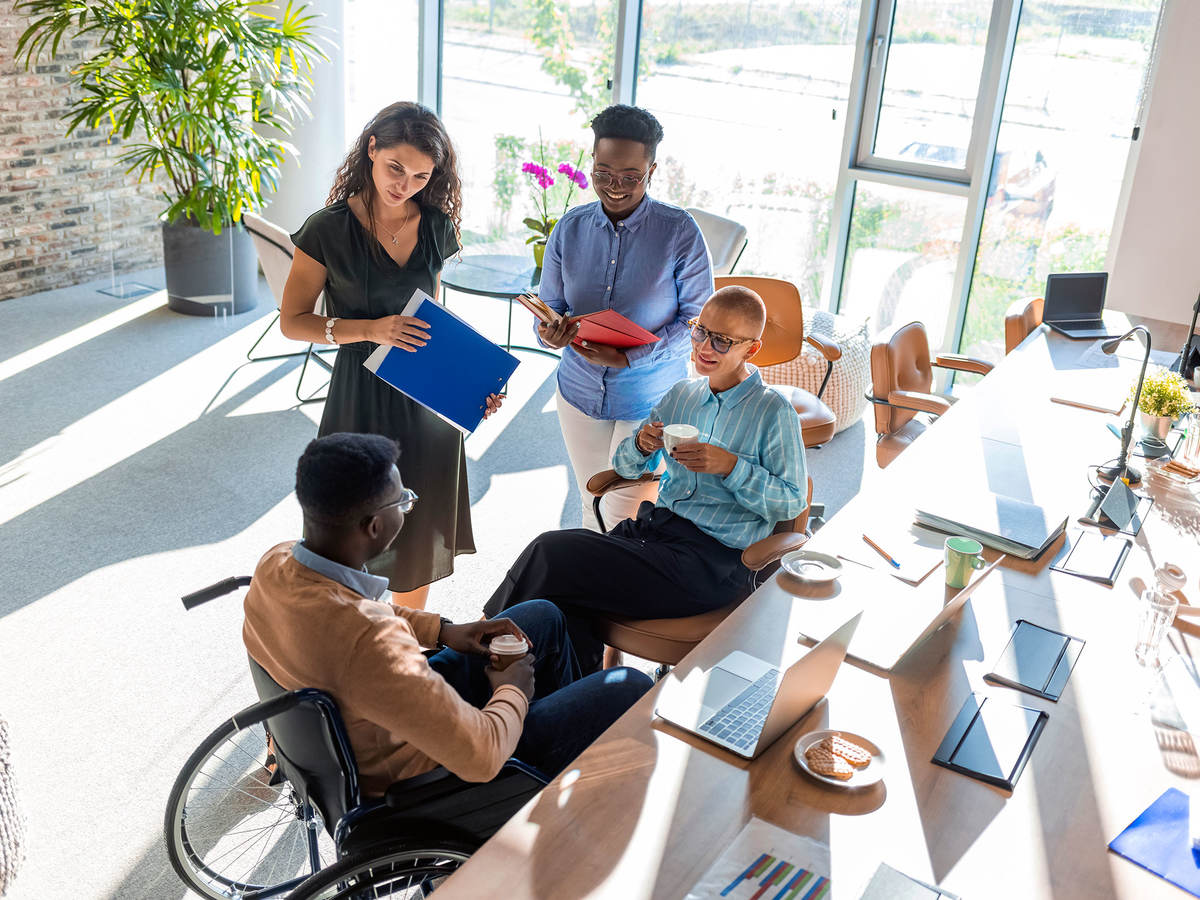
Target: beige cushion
[[845, 394]]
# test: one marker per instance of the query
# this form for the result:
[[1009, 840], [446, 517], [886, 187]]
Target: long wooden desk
[[646, 809]]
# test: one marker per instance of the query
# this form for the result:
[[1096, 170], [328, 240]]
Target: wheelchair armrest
[[608, 480], [831, 350], [441, 782], [424, 787], [770, 549], [962, 363]]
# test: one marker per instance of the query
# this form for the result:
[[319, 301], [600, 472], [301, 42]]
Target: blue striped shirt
[[653, 268], [769, 482]]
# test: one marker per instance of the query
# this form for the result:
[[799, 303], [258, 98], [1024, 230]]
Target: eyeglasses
[[407, 500], [629, 182], [722, 343]]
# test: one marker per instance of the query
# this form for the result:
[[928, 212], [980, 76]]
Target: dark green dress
[[361, 284]]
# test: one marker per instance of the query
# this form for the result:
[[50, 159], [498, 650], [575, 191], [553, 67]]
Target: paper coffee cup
[[674, 435], [507, 648]]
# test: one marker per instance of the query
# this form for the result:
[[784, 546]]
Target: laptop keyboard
[[739, 722]]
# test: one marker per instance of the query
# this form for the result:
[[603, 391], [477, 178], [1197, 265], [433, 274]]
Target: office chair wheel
[[234, 828], [407, 872]]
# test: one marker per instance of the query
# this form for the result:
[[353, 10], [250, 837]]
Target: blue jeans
[[568, 711]]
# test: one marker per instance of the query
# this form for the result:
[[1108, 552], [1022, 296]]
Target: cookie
[[823, 761], [857, 756]]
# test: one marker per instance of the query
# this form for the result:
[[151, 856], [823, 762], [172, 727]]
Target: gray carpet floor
[[140, 458]]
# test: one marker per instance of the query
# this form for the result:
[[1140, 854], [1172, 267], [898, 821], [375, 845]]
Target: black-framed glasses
[[722, 343], [407, 500], [607, 179]]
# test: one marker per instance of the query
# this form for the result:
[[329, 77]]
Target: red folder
[[611, 328], [607, 326]]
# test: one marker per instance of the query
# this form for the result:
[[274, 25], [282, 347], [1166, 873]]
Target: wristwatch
[[440, 643]]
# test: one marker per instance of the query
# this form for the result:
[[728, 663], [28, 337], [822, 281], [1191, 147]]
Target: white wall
[[1154, 255], [321, 141]]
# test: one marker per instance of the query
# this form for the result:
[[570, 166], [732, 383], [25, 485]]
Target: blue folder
[[1158, 840], [453, 373]]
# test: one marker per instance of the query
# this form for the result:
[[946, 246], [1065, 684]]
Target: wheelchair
[[269, 805]]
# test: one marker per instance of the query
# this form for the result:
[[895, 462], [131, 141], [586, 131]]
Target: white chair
[[275, 251], [726, 239]]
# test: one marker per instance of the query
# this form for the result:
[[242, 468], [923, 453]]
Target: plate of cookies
[[840, 758]]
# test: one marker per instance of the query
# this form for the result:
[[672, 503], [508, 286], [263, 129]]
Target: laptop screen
[[1075, 296]]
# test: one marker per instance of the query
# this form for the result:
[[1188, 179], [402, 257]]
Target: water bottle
[[1158, 605]]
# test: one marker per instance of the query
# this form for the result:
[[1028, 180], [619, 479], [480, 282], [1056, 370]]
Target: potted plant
[[191, 85], [1165, 397], [544, 223]]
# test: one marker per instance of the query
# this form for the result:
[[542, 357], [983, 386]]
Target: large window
[[514, 70], [1070, 107], [901, 257], [381, 65], [753, 101]]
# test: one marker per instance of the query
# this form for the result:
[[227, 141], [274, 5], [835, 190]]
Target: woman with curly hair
[[391, 219]]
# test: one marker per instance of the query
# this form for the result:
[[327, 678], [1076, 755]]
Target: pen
[[881, 551]]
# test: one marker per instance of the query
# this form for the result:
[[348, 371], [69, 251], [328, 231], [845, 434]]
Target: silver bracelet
[[329, 331]]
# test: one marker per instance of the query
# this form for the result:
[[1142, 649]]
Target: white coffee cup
[[508, 648], [674, 435]]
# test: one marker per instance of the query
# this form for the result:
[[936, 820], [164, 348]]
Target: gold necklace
[[403, 225]]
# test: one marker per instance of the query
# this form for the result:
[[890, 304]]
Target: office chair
[[782, 341], [667, 641], [275, 251], [726, 239], [901, 379], [1022, 318]]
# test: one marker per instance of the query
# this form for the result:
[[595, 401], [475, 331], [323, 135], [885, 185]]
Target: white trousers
[[590, 446]]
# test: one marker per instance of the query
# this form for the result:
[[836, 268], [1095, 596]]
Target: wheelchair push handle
[[213, 591]]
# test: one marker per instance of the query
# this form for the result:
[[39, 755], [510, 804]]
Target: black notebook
[[1093, 555], [1036, 660], [991, 741]]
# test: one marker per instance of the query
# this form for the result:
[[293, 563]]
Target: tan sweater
[[403, 718]]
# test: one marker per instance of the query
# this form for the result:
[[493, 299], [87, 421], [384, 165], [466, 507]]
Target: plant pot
[[1159, 426], [539, 253], [209, 274]]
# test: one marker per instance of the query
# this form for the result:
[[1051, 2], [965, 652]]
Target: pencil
[[881, 551]]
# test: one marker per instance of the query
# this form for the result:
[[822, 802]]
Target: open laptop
[[1074, 304], [743, 703]]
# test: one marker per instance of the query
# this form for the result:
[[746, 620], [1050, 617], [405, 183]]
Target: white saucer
[[811, 567], [870, 774]]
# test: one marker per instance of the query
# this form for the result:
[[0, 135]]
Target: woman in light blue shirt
[[645, 259]]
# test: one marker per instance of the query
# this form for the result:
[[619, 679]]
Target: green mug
[[962, 556]]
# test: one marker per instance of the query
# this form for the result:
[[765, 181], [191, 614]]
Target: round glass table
[[501, 275]]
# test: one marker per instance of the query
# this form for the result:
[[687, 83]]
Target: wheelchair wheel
[[230, 832], [406, 872]]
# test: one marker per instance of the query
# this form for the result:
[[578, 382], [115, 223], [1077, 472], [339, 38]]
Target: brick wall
[[68, 211]]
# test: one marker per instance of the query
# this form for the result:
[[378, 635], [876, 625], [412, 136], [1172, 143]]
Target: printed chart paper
[[766, 862]]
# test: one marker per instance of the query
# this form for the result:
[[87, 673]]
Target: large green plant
[[191, 82]]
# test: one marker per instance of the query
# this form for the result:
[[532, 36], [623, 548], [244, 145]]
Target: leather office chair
[[783, 340], [726, 239], [667, 641], [901, 379], [1020, 321], [275, 251]]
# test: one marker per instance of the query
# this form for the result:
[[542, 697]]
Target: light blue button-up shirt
[[651, 267], [358, 580], [769, 481]]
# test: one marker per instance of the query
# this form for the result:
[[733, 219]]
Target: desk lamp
[[1122, 467]]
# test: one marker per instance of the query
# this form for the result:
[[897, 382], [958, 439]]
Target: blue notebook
[[453, 373], [1159, 841]]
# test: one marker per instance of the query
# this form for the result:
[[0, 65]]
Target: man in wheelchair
[[681, 556], [314, 618]]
